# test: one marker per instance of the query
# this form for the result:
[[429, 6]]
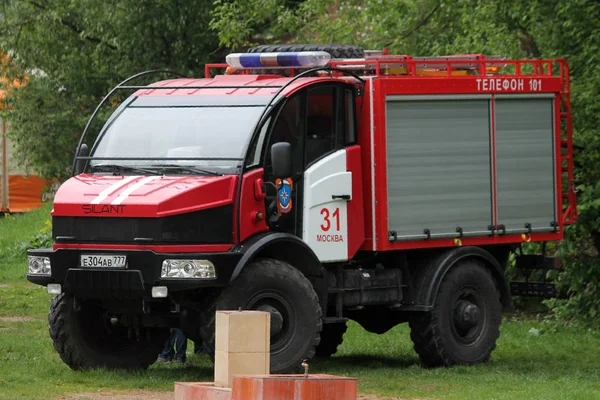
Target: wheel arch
[[283, 247], [429, 279]]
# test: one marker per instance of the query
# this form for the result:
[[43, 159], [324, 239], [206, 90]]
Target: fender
[[282, 246], [430, 277]]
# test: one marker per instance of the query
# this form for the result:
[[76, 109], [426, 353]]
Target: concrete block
[[229, 364], [201, 391], [243, 331]]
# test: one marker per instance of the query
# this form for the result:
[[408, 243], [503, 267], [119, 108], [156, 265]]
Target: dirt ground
[[150, 395], [374, 397], [17, 319], [129, 395]]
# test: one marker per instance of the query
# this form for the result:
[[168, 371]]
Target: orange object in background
[[24, 193], [18, 193]]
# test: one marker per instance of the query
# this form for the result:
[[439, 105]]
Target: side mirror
[[281, 159], [84, 151]]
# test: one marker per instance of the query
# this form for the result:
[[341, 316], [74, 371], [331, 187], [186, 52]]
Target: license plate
[[103, 261]]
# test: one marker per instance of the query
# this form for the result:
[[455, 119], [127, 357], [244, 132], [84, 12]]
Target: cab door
[[332, 185], [327, 191], [325, 188]]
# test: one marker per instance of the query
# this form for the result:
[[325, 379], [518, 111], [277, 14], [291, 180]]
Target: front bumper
[[142, 272]]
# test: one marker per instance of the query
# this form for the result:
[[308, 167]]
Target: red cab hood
[[141, 196]]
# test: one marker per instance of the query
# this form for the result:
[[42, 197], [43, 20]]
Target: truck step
[[334, 320], [534, 261], [533, 289]]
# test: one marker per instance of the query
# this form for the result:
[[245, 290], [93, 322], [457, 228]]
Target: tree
[[75, 51]]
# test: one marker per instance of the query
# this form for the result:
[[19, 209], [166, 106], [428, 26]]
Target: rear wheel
[[332, 336], [280, 289], [464, 324], [84, 337]]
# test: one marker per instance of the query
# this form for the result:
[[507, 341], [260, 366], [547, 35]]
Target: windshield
[[214, 136]]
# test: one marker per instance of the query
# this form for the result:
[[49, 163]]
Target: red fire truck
[[317, 183]]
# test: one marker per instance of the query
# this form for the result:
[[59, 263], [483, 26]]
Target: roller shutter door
[[438, 166], [525, 165]]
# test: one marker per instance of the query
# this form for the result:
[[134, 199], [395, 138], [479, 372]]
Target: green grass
[[528, 364], [18, 297], [16, 230], [560, 365]]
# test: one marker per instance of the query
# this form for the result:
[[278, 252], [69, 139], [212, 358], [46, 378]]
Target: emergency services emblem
[[284, 195]]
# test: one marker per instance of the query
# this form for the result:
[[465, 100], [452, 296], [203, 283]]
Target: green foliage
[[41, 240], [75, 51], [19, 232], [579, 283], [235, 22]]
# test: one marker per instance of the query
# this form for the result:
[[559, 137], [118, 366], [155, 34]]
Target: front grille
[[213, 225], [105, 284]]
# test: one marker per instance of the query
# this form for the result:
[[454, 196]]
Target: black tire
[[455, 332], [336, 50], [84, 339], [332, 336], [268, 284]]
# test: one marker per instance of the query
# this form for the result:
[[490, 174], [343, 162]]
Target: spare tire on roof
[[336, 50]]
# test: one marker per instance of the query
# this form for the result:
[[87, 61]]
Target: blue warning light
[[301, 59]]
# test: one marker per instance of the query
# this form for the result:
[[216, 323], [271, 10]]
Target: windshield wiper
[[115, 168], [187, 168]]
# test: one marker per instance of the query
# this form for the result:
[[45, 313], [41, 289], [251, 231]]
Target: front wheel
[[464, 324], [280, 289], [84, 337]]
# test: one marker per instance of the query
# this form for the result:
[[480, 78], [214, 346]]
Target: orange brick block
[[293, 387], [201, 391]]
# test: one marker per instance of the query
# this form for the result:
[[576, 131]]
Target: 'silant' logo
[[102, 209]]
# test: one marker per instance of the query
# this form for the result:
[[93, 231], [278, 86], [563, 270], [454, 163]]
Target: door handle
[[340, 196]]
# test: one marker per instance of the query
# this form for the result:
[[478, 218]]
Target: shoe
[[180, 361], [162, 359]]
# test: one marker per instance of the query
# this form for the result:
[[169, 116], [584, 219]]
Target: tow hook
[[145, 307]]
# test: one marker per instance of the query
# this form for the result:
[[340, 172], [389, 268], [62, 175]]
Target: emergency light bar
[[305, 59]]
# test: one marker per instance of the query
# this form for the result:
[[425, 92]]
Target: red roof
[[266, 85]]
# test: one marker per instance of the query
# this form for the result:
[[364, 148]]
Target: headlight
[[195, 269], [39, 265]]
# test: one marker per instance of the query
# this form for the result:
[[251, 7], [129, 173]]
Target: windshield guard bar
[[123, 86], [328, 69], [199, 87], [160, 158], [107, 97]]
